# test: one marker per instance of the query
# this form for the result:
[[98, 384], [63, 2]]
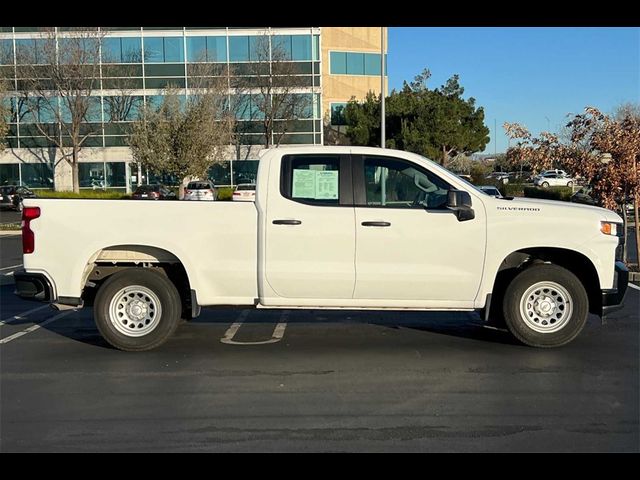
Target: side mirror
[[459, 202]]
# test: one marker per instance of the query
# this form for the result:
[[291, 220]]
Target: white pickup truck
[[332, 228]]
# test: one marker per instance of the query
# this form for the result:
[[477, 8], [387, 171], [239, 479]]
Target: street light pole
[[382, 112]]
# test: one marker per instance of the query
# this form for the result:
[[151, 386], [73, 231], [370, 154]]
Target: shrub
[[512, 189], [225, 193], [551, 193]]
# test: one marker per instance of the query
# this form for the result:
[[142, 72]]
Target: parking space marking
[[9, 268], [22, 315], [634, 286], [278, 331], [35, 327]]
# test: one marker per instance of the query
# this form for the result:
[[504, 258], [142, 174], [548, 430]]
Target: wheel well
[[110, 260], [573, 261]]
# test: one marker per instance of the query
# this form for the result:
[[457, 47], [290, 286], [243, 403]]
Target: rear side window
[[313, 179], [198, 186]]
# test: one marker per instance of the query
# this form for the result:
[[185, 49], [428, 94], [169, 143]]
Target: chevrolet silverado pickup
[[330, 228]]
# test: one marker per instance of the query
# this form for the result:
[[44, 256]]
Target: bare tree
[[274, 86], [185, 138], [4, 114], [590, 136], [56, 78]]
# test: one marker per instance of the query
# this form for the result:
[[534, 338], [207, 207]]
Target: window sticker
[[304, 184], [327, 185]]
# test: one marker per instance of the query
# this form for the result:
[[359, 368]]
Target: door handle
[[376, 224], [286, 222]]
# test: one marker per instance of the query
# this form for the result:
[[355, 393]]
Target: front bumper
[[33, 286], [613, 299]]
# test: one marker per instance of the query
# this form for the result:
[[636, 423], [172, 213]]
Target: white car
[[245, 192], [491, 190], [201, 190], [553, 179], [332, 227], [502, 177]]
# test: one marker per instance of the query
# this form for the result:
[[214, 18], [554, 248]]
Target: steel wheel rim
[[135, 311], [546, 307]]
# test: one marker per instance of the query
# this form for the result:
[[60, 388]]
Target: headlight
[[611, 228]]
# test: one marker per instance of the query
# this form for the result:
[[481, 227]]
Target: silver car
[[201, 190]]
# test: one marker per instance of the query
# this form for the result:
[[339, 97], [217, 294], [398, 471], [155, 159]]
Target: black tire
[[167, 295], [573, 325], [569, 184]]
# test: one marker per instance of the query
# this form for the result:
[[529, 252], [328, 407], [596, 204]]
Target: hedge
[[102, 194], [550, 193]]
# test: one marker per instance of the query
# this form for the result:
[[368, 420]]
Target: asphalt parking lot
[[314, 381]]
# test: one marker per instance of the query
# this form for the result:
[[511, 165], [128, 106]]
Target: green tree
[[363, 120], [184, 138], [437, 123]]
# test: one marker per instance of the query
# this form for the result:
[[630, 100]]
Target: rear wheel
[[545, 184], [569, 184], [545, 306], [137, 309]]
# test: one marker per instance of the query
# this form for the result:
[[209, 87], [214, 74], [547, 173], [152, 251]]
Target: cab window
[[395, 183]]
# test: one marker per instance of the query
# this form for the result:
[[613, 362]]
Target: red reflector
[[28, 238]]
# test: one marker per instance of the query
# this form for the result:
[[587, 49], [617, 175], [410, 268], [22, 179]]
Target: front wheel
[[569, 184], [137, 309], [545, 184], [545, 306]]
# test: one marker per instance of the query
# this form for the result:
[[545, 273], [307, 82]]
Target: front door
[[409, 245], [310, 235]]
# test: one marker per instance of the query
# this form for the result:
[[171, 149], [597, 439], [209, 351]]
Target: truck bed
[[216, 242]]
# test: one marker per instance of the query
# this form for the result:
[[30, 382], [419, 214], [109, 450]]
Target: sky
[[533, 76]]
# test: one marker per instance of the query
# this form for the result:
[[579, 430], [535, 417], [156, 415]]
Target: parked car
[[153, 192], [583, 196], [11, 196], [553, 179], [245, 192], [502, 177], [201, 190], [491, 190], [329, 231]]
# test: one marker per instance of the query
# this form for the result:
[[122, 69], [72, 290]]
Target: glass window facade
[[143, 65]]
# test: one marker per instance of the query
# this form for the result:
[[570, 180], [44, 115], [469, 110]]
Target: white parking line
[[35, 327], [278, 331], [635, 287], [20, 316], [9, 268]]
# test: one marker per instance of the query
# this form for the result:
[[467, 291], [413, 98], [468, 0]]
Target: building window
[[196, 49], [355, 63], [337, 113], [239, 49], [163, 49], [9, 174], [338, 61], [37, 175], [122, 50], [6, 52]]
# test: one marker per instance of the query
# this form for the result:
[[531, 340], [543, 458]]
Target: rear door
[[309, 225]]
